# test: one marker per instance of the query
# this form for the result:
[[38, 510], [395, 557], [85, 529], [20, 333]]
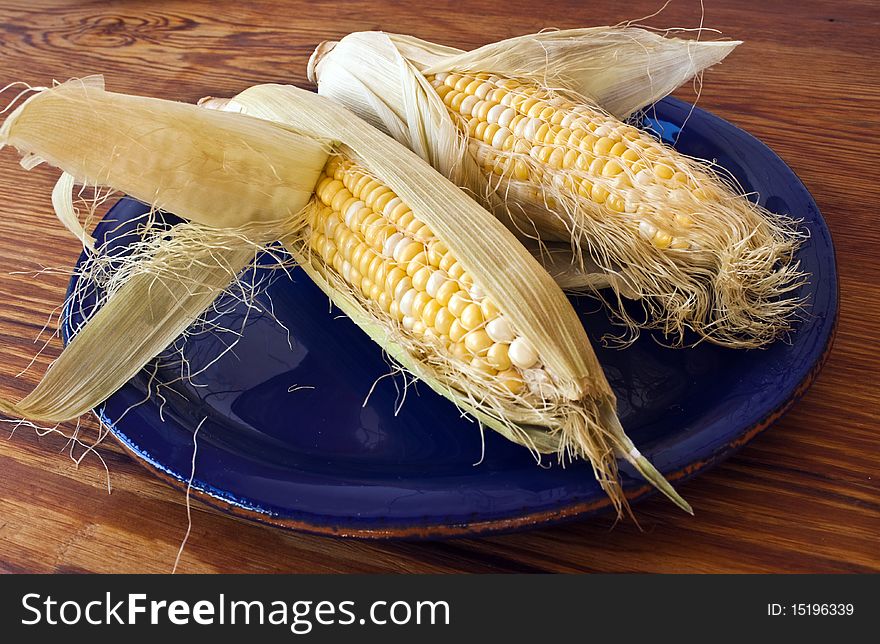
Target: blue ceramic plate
[[288, 439]]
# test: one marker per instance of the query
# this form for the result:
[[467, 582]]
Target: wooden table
[[803, 497]]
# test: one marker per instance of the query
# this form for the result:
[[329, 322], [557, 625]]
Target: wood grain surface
[[803, 497]]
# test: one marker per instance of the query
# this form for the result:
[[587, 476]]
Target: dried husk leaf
[[62, 203], [160, 152], [136, 324], [244, 180], [623, 69]]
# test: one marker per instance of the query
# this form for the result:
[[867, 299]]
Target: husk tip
[[635, 458], [653, 476], [213, 102], [315, 59], [724, 47]]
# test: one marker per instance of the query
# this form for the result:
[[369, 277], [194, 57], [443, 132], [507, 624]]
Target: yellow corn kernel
[[414, 226], [662, 239], [570, 158], [447, 262], [384, 301], [471, 316], [456, 331], [409, 252], [419, 261], [459, 352], [339, 200], [603, 146], [420, 278], [419, 328], [452, 79], [419, 303], [366, 263], [394, 277], [436, 251], [423, 234], [462, 82], [456, 271], [379, 272], [617, 149], [398, 211], [488, 309], [429, 312], [443, 321], [663, 171], [615, 203], [684, 220], [511, 380], [472, 87], [457, 303], [477, 342], [446, 291], [328, 251], [443, 90], [405, 219], [612, 169], [598, 194], [326, 188], [482, 365], [497, 356]]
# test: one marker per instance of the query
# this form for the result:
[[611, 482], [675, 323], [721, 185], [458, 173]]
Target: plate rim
[[486, 527]]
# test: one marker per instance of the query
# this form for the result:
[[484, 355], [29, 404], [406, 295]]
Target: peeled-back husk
[[170, 155]]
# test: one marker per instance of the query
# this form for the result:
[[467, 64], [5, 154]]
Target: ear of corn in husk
[[522, 363], [512, 333], [532, 126]]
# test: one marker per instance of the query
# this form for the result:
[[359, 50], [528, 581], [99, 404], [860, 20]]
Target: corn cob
[[374, 242], [621, 167], [555, 165], [391, 242]]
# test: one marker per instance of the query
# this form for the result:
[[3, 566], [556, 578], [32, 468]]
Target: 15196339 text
[[810, 610]]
